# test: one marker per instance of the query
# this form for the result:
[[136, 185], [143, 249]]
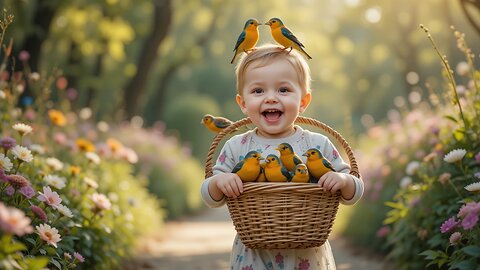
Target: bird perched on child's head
[[317, 164], [285, 37], [288, 157], [247, 39], [248, 168], [275, 171], [215, 124], [301, 174]]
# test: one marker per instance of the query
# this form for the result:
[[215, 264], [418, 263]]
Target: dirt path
[[203, 242]]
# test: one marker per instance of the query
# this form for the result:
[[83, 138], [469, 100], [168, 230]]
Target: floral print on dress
[[222, 157], [279, 260], [270, 266], [304, 264], [335, 153], [244, 139], [250, 267]]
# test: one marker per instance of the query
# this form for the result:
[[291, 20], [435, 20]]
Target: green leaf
[[395, 205], [36, 263], [14, 247], [464, 265], [449, 117], [473, 251], [56, 263], [459, 134], [430, 254]]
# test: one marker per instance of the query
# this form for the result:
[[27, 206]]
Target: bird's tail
[[234, 57], [305, 53]]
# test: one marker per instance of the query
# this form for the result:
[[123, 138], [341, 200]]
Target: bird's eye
[[251, 22], [274, 21]]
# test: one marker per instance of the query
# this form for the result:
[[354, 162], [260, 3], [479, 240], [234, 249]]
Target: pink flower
[[470, 221], [14, 221], [27, 191], [279, 258], [48, 234], [39, 213], [383, 231], [469, 208], [79, 257], [304, 265], [49, 197], [23, 56], [477, 158], [448, 225], [247, 267], [455, 238]]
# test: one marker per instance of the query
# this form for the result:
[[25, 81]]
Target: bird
[[288, 157], [285, 37], [261, 177], [317, 164], [301, 174], [215, 124], [248, 168], [275, 171], [247, 39]]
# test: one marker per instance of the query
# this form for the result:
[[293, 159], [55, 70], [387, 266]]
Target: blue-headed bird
[[285, 37], [247, 39], [275, 171], [215, 124], [288, 157], [301, 174], [248, 168], [317, 164]]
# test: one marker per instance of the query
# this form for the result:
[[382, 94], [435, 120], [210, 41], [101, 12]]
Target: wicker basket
[[283, 215]]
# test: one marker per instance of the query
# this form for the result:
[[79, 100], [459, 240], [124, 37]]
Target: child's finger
[[239, 183]]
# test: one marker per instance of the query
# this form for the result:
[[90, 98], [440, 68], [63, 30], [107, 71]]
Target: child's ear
[[241, 103], [305, 102]]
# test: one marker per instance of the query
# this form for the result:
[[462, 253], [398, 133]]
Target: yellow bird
[[248, 168], [301, 174], [215, 124], [261, 177], [317, 164], [247, 39], [285, 37], [274, 170], [288, 157]]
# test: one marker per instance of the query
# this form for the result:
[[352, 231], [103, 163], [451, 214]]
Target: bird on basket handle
[[317, 164], [301, 174], [288, 157], [275, 171], [261, 177], [215, 124], [249, 168], [285, 37], [247, 39]]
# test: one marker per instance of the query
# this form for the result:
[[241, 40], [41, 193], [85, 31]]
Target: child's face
[[272, 98]]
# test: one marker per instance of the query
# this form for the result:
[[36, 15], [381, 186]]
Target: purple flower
[[383, 231], [471, 207], [470, 221], [7, 143], [39, 213], [448, 225], [27, 191], [477, 158], [24, 56], [3, 176], [10, 191]]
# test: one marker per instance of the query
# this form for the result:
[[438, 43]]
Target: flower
[[57, 118], [412, 167], [101, 201], [473, 187], [55, 181], [23, 56], [7, 143], [471, 207], [5, 163], [470, 221], [22, 153], [85, 145], [74, 170], [64, 211], [448, 225], [405, 182], [444, 178], [79, 257], [54, 163], [383, 231], [455, 238], [22, 129], [27, 191], [17, 181], [92, 157], [49, 197], [455, 155], [67, 255], [477, 158], [114, 145], [14, 221], [90, 182], [48, 234], [39, 213], [36, 148]]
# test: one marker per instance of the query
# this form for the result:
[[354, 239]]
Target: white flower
[[5, 163], [36, 148], [22, 153], [50, 197], [2, 94], [412, 167], [55, 181], [473, 187], [64, 210], [93, 157], [90, 182], [455, 155], [54, 164], [14, 221], [22, 129], [462, 68], [405, 182], [101, 201], [48, 234]]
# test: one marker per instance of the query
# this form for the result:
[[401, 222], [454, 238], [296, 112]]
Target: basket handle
[[299, 120]]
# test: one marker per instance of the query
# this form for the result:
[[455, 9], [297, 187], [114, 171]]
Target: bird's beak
[[278, 149], [268, 23], [306, 155], [267, 161], [260, 158]]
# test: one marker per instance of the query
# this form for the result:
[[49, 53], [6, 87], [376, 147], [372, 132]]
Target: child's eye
[[283, 90], [257, 91]]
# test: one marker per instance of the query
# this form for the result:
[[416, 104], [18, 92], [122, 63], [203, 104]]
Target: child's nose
[[271, 97]]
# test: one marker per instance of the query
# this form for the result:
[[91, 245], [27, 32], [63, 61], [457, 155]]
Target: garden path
[[204, 241]]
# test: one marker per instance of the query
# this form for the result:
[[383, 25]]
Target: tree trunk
[[162, 18]]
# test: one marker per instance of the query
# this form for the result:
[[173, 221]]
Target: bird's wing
[[288, 34], [286, 173], [240, 39], [297, 160], [222, 122], [238, 166], [327, 164]]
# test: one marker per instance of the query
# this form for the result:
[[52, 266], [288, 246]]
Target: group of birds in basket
[[248, 38], [286, 168]]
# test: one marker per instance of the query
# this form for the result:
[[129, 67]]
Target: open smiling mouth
[[272, 115]]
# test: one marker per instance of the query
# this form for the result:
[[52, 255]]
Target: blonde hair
[[267, 53]]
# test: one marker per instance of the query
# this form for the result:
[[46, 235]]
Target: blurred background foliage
[[167, 60]]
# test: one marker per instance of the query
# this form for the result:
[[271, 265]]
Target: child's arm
[[334, 181]]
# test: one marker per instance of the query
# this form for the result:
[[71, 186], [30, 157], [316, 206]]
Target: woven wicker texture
[[283, 215]]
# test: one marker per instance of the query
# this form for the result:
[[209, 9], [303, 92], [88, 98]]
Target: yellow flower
[[85, 145], [74, 170], [114, 145], [57, 118]]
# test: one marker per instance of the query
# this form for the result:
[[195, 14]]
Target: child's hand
[[229, 184], [334, 181]]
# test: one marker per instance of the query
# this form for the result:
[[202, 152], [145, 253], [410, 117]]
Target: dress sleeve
[[331, 153], [224, 164]]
